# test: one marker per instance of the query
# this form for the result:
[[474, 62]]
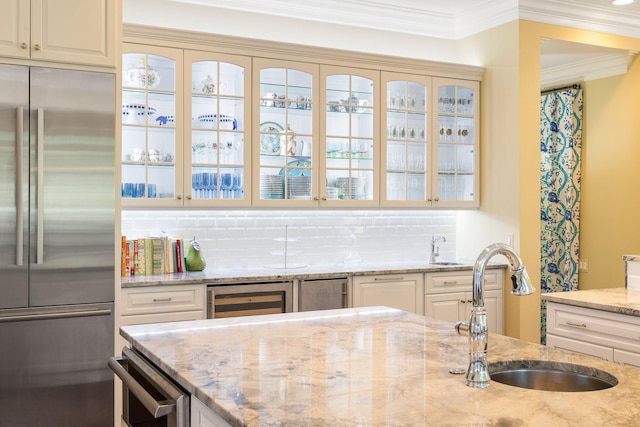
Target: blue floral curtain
[[560, 152]]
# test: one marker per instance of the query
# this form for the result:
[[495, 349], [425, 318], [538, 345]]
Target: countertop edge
[[591, 299], [309, 273]]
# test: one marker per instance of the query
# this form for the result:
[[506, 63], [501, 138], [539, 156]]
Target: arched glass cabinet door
[[407, 141], [151, 112], [350, 136], [457, 135], [217, 128], [285, 148]]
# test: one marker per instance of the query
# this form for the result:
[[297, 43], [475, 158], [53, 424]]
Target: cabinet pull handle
[[463, 301], [388, 279], [470, 301], [576, 324], [36, 46], [454, 282], [179, 197], [324, 198], [167, 299], [189, 197], [24, 45], [437, 199]]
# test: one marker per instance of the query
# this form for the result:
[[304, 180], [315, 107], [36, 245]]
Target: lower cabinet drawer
[[580, 347], [162, 299], [459, 281]]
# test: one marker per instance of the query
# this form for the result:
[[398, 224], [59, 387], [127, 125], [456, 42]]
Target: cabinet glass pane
[[456, 138], [286, 134], [217, 130], [406, 137], [349, 137], [148, 126]]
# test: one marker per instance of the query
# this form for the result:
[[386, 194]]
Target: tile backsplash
[[249, 239]]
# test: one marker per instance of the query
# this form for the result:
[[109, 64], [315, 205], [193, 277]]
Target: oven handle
[[157, 409]]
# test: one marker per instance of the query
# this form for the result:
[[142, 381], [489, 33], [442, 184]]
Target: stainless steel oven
[[249, 299], [149, 398]]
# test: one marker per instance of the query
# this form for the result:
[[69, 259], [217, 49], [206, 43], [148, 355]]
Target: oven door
[[149, 398]]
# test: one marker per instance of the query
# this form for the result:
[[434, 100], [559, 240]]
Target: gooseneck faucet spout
[[476, 328]]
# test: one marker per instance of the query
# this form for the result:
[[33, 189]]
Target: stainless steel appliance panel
[[14, 184], [149, 398], [54, 366], [72, 197], [249, 299], [322, 294]]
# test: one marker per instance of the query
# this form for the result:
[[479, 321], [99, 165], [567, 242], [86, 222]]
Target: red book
[[179, 263]]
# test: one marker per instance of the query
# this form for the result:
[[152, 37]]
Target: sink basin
[[445, 263], [550, 376]]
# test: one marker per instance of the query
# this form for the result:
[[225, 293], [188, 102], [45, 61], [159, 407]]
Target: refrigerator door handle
[[47, 315], [19, 201], [40, 189]]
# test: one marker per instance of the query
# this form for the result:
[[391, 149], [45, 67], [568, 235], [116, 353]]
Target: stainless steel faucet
[[476, 328], [435, 251]]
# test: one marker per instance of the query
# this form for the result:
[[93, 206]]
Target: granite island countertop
[[258, 274], [371, 366], [615, 300]]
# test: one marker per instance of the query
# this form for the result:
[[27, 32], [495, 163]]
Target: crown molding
[[581, 15], [591, 69]]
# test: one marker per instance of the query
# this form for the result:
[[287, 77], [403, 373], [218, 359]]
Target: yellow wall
[[510, 187], [610, 226]]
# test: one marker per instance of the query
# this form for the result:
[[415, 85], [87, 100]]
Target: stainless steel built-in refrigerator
[[57, 209]]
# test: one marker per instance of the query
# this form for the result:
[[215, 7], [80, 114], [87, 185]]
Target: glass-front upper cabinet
[[285, 144], [457, 136], [217, 129], [151, 111], [350, 136], [407, 142]]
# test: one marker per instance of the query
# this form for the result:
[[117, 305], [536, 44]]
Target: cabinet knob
[[179, 197], [463, 301], [470, 301], [24, 45], [36, 46], [437, 199], [324, 198], [188, 196], [316, 199]]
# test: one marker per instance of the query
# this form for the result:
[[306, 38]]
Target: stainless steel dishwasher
[[323, 294]]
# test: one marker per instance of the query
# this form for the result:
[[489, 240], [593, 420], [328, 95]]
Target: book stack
[[152, 255]]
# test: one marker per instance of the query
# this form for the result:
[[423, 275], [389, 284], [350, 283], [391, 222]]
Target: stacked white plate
[[271, 187], [298, 187], [352, 190]]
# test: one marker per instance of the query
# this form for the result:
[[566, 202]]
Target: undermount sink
[[445, 263], [550, 376]]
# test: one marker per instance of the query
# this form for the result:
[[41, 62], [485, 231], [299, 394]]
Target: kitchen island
[[371, 366]]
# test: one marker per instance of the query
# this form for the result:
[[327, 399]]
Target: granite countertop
[[247, 275], [371, 366], [615, 300]]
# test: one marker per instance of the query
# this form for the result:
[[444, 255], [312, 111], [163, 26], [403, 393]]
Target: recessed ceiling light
[[621, 2]]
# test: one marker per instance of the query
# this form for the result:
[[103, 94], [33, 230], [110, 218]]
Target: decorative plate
[[270, 138], [302, 168]]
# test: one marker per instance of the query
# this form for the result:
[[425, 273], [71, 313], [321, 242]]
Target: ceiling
[[455, 19], [450, 19]]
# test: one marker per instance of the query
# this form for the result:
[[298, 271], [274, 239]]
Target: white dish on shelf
[[136, 113]]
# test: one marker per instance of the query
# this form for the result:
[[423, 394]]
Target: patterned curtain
[[560, 152]]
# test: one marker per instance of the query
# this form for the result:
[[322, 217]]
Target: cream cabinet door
[[14, 28], [455, 306], [406, 147], [456, 135], [73, 31], [402, 291]]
